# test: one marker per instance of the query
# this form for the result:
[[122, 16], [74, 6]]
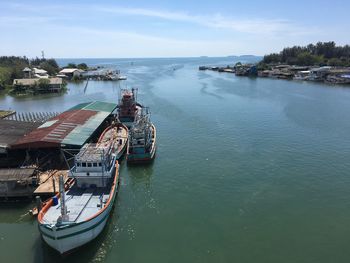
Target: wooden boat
[[142, 139], [76, 216], [119, 133], [128, 108]]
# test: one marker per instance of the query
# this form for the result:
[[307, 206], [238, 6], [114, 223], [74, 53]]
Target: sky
[[162, 28]]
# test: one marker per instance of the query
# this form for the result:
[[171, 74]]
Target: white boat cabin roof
[[92, 153]]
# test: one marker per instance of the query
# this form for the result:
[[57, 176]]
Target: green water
[[247, 170]]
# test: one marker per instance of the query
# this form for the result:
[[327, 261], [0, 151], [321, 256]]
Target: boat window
[[94, 164], [100, 164], [83, 164], [78, 164], [89, 164]]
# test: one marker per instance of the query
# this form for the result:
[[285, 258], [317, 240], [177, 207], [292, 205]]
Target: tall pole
[[62, 196]]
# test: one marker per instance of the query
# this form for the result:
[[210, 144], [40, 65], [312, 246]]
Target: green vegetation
[[11, 68], [82, 66], [76, 79], [321, 54], [43, 84], [5, 74], [50, 65]]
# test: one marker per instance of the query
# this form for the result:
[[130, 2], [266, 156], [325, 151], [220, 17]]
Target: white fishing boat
[[78, 215]]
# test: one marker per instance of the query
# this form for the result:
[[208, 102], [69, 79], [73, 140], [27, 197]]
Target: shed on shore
[[70, 129], [51, 84], [11, 131]]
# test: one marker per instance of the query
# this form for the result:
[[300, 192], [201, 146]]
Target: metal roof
[[11, 131], [16, 174], [73, 127], [26, 69], [70, 70], [39, 71]]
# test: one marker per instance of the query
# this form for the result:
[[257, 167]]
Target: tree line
[[320, 54], [11, 67]]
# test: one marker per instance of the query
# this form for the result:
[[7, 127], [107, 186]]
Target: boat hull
[[135, 158], [65, 238], [141, 157], [121, 152]]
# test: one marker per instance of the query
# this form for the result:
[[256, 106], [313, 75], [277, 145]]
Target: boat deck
[[118, 133], [92, 152], [81, 205]]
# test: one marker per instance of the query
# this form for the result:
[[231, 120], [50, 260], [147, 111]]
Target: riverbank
[[326, 74]]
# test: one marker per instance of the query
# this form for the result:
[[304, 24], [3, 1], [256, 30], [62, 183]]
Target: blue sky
[[167, 28]]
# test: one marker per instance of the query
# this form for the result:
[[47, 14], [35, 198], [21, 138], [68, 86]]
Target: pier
[[49, 182]]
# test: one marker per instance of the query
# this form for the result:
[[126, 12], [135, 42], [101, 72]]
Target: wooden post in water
[[38, 203]]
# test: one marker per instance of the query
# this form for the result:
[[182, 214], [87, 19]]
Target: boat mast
[[63, 199]]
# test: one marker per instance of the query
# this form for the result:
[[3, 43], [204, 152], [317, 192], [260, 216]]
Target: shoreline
[[324, 74]]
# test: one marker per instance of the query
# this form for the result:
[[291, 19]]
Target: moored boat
[[128, 108], [117, 132], [76, 216], [142, 139]]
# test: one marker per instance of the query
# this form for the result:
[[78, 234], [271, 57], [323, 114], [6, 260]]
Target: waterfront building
[[70, 73], [40, 73], [33, 84]]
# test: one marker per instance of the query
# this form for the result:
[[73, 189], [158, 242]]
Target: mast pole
[[62, 196]]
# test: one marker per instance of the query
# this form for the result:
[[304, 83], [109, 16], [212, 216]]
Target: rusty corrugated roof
[[11, 131], [73, 127]]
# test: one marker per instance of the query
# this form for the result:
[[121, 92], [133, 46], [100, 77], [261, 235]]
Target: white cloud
[[71, 30], [251, 26], [256, 25]]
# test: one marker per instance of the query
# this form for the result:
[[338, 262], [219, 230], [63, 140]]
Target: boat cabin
[[94, 165]]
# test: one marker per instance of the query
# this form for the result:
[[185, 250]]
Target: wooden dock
[[49, 182]]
